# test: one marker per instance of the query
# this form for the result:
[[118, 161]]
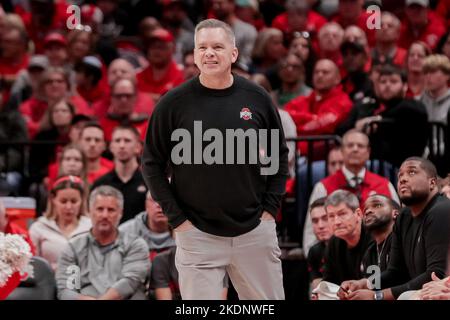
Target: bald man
[[386, 49], [122, 69], [325, 108]]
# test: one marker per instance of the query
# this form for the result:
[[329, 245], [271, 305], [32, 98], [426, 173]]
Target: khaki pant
[[252, 261]]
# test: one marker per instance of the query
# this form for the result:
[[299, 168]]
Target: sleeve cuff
[[124, 288]]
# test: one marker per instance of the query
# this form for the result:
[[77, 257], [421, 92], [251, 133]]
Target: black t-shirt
[[164, 274], [375, 251], [134, 192], [419, 247], [224, 197], [343, 263], [316, 260]]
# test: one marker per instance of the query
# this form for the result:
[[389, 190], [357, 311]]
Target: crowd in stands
[[76, 94]]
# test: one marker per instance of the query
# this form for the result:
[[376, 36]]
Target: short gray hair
[[213, 24], [342, 196], [106, 191]]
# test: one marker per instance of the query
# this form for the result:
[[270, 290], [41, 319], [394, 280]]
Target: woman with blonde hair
[[64, 219], [268, 50]]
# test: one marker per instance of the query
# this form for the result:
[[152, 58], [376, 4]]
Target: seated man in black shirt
[[420, 238], [379, 214], [347, 247], [322, 230], [126, 176], [403, 130]]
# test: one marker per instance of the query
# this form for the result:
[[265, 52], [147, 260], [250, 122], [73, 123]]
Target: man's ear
[[395, 214], [433, 184], [234, 55], [359, 212]]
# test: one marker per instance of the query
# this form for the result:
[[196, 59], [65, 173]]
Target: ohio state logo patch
[[245, 114]]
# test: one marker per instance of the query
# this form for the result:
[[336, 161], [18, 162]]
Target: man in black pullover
[[420, 237], [223, 196], [403, 131]]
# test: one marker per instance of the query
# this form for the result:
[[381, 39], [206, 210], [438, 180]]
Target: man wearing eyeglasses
[[121, 110]]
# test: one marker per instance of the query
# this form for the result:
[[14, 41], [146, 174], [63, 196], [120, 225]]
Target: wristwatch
[[379, 295]]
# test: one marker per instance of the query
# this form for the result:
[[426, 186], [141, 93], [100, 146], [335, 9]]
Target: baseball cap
[[423, 3], [162, 35], [92, 61], [38, 61], [55, 37], [354, 46], [248, 3]]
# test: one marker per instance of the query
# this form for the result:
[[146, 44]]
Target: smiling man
[[222, 213], [420, 237]]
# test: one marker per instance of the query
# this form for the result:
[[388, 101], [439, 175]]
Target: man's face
[[291, 70], [330, 39], [55, 87], [214, 52], [377, 213], [298, 20], [350, 9], [343, 220], [11, 45], [355, 149], [92, 142], [335, 161], [123, 98], [120, 69], [320, 223], [124, 145], [56, 53], [389, 31], [417, 15], [436, 80], [354, 60], [325, 76], [174, 14], [105, 214], [390, 87], [154, 211], [222, 8], [159, 53], [414, 186]]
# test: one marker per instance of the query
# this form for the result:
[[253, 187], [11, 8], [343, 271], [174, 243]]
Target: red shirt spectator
[[144, 104], [325, 108], [359, 18], [13, 58], [105, 167], [163, 73], [313, 24], [421, 24], [443, 10], [34, 109], [108, 123], [44, 17], [147, 81], [317, 114]]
